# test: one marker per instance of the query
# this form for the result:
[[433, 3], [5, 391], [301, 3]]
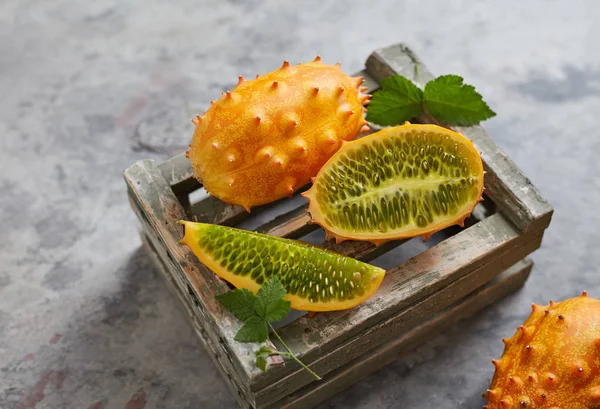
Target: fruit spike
[[310, 102], [401, 182], [559, 362], [316, 279]]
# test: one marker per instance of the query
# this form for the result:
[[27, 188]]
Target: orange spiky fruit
[[553, 361], [268, 136], [400, 182]]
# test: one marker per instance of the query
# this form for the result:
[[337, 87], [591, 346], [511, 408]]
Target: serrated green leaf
[[455, 103], [240, 302], [261, 357], [398, 101], [269, 303], [261, 362], [253, 330]]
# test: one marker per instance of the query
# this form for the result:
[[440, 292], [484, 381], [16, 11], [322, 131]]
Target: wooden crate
[[461, 272]]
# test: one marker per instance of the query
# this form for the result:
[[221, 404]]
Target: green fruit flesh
[[248, 259], [412, 180]]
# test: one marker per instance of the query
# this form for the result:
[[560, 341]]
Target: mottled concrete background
[[88, 88]]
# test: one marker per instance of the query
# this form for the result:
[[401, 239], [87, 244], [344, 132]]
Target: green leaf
[[265, 350], [261, 357], [261, 363], [269, 303], [240, 302], [455, 103], [399, 100], [254, 330]]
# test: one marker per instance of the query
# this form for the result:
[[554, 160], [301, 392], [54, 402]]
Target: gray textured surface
[[88, 88]]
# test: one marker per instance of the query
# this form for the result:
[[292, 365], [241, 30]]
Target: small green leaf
[[399, 100], [254, 330], [265, 350], [261, 357], [455, 103], [261, 362], [240, 302], [269, 303]]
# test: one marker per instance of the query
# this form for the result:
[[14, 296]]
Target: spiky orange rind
[[405, 181], [553, 360], [268, 136]]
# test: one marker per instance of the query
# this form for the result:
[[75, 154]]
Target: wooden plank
[[311, 395], [186, 292], [402, 322], [510, 189], [178, 173], [296, 223], [419, 277], [159, 207], [186, 308], [292, 225]]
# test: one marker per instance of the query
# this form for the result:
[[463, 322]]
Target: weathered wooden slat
[[187, 309], [159, 207], [399, 323], [296, 223], [417, 278], [513, 192], [178, 173], [185, 287], [292, 225], [311, 395]]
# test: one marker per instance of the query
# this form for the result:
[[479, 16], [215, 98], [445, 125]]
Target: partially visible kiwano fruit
[[267, 137], [316, 279], [406, 181], [553, 360]]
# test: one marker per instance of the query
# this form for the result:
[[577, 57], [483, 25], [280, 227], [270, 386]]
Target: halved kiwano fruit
[[316, 279], [406, 181]]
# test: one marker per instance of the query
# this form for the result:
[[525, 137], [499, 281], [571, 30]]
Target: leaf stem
[[418, 72], [291, 354]]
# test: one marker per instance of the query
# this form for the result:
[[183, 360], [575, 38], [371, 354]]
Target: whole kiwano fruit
[[553, 361], [268, 136]]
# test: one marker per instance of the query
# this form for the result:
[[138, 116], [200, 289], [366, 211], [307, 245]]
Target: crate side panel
[[311, 395], [400, 323], [160, 207], [178, 173], [203, 338], [422, 275]]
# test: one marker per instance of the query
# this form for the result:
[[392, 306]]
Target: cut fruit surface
[[316, 279], [405, 181]]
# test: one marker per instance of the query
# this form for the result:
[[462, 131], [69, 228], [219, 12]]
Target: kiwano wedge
[[406, 181], [553, 361], [268, 136], [316, 279]]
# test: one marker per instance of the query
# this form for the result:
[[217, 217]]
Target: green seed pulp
[[403, 181], [304, 270]]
